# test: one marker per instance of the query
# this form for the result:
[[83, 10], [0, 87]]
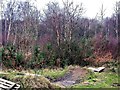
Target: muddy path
[[73, 76]]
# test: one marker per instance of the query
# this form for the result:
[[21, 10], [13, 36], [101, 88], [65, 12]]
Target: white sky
[[92, 7]]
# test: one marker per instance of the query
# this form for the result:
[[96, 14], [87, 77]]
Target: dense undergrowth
[[87, 52]]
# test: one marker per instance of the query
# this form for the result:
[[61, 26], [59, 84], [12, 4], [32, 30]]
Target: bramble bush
[[91, 51], [10, 57]]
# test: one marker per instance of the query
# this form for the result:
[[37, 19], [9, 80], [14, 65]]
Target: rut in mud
[[74, 76]]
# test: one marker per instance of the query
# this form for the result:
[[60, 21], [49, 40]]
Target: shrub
[[19, 59], [51, 55], [68, 52], [1, 53], [8, 56], [11, 58], [38, 58], [87, 47]]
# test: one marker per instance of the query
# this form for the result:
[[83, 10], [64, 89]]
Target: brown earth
[[74, 76], [78, 72]]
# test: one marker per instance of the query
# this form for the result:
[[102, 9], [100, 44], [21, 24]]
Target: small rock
[[70, 67], [86, 83]]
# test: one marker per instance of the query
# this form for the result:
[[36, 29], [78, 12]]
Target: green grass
[[95, 80], [99, 80], [53, 73], [32, 81]]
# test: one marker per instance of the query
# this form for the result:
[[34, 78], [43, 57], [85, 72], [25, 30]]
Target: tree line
[[42, 37]]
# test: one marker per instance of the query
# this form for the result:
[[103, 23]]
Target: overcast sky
[[92, 7]]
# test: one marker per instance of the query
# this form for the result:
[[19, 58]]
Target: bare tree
[[9, 16], [101, 18], [63, 21], [117, 15], [53, 18], [72, 14]]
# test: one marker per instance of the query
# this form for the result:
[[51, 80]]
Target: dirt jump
[[74, 76]]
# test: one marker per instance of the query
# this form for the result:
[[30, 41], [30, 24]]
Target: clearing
[[69, 77]]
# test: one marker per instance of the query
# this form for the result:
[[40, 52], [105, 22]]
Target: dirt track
[[74, 76]]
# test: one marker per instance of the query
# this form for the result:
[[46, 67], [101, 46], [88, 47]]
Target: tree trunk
[[9, 30]]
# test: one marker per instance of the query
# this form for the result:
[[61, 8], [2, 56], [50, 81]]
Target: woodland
[[54, 41]]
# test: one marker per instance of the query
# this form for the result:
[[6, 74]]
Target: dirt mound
[[78, 72], [35, 82], [74, 76]]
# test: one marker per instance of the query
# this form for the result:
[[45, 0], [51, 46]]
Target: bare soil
[[74, 76]]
